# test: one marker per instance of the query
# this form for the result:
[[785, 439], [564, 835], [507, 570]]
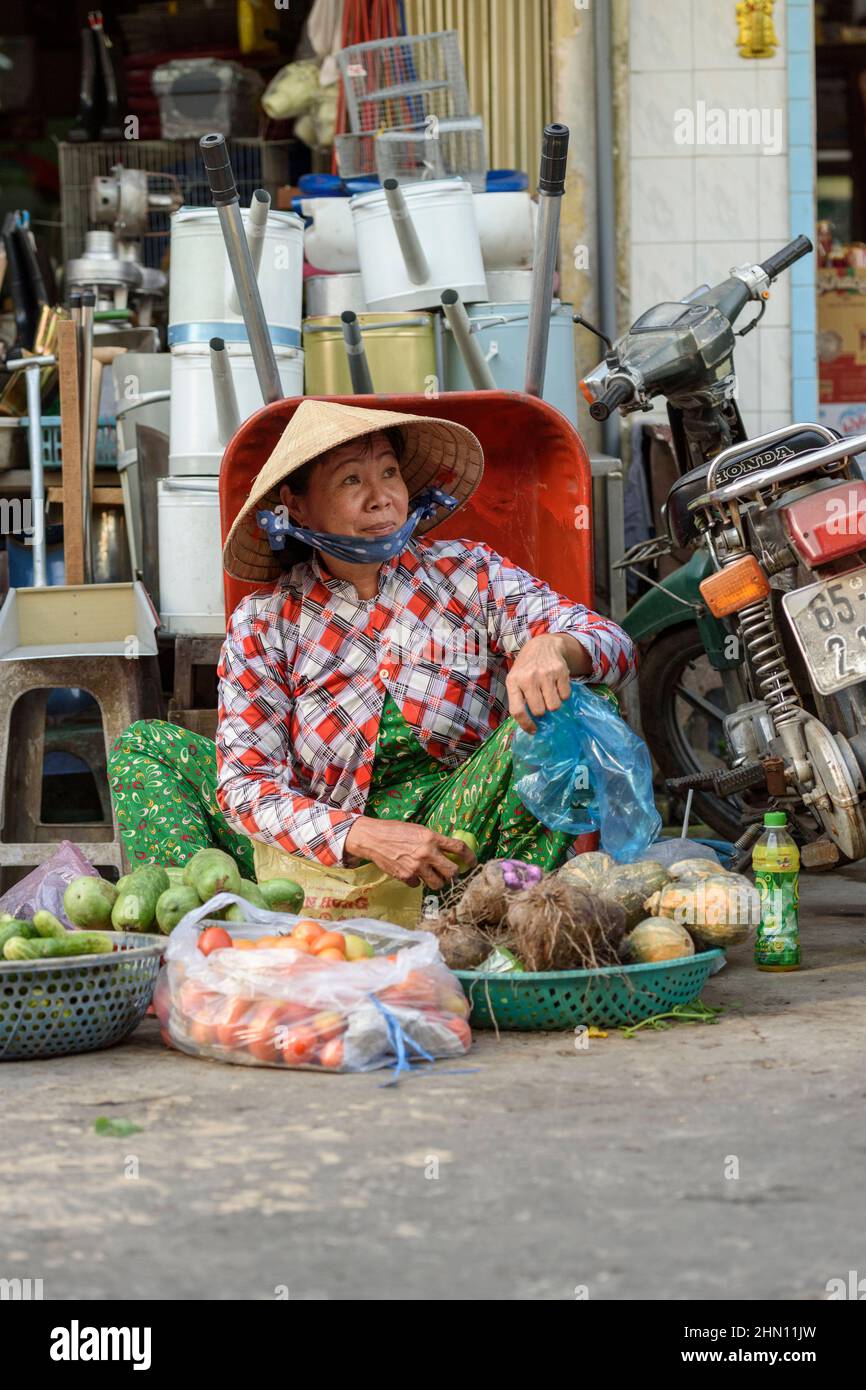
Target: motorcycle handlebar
[[780, 260], [619, 391]]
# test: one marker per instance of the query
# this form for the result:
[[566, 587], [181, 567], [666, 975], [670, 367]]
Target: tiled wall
[[698, 209]]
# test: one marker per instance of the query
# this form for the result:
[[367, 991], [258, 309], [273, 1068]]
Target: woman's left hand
[[540, 679]]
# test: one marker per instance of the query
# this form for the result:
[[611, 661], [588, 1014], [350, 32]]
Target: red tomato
[[328, 1025], [333, 953], [213, 939], [331, 1054], [261, 1034], [299, 1044], [230, 1028], [307, 930], [328, 941], [461, 1029]]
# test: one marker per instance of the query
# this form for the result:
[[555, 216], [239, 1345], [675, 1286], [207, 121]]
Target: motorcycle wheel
[[680, 693]]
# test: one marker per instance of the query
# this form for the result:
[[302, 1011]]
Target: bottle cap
[[775, 818]]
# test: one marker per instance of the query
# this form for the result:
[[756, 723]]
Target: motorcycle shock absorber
[[769, 663]]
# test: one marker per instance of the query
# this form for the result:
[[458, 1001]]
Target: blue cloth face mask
[[356, 550]]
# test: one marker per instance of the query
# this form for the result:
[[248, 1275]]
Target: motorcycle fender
[[659, 609]]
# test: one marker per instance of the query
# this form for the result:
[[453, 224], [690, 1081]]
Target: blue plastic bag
[[585, 769]]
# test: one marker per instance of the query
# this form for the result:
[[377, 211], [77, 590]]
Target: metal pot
[[327, 295]]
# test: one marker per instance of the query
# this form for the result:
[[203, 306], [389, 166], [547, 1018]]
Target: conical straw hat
[[437, 453]]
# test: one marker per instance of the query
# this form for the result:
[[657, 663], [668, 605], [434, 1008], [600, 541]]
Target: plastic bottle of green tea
[[776, 866]]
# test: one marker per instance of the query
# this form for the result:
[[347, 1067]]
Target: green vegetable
[[173, 904], [135, 908], [175, 875], [47, 924], [88, 901], [123, 883], [251, 893], [115, 1129], [210, 871], [74, 943], [16, 927], [282, 895]]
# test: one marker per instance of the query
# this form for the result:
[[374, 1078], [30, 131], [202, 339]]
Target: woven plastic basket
[[607, 998], [53, 1008]]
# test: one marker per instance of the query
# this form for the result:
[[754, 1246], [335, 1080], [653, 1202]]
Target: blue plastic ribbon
[[400, 1042], [358, 550]]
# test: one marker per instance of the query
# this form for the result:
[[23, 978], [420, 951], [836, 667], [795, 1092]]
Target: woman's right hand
[[412, 853]]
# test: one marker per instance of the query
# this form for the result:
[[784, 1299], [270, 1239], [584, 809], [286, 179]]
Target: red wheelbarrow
[[534, 502]]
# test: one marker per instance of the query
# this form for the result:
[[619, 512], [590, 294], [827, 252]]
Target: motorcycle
[[753, 653]]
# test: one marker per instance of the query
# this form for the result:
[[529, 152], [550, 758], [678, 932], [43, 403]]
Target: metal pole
[[37, 475], [359, 367], [228, 415], [225, 196], [606, 201], [257, 223], [467, 343], [88, 300], [551, 186], [410, 247]]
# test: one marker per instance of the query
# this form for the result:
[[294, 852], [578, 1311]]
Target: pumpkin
[[657, 939]]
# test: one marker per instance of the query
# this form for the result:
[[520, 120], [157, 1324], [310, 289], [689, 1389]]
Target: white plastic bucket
[[200, 279], [194, 444], [329, 244], [190, 555], [506, 230], [444, 220], [502, 333]]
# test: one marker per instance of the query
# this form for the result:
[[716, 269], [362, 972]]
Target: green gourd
[[88, 901], [282, 895], [174, 904], [211, 871], [135, 908]]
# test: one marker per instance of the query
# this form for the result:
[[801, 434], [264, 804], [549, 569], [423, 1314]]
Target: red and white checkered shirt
[[306, 665]]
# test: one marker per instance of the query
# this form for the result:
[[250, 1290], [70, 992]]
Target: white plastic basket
[[403, 81]]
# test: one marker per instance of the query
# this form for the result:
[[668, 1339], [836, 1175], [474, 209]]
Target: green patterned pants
[[163, 788]]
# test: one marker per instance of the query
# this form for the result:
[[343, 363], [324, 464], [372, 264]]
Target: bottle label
[[778, 937]]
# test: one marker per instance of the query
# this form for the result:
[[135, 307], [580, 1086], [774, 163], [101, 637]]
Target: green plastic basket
[[69, 1004], [547, 1001]]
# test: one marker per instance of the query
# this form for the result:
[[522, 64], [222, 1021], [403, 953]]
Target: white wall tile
[[726, 197], [747, 364], [773, 216], [773, 420], [655, 99], [660, 35], [715, 32], [726, 90], [775, 368], [660, 272], [713, 259], [662, 200]]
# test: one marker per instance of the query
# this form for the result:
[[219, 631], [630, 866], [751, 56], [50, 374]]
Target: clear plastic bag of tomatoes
[[280, 990]]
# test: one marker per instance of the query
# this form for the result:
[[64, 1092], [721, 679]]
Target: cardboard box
[[842, 346]]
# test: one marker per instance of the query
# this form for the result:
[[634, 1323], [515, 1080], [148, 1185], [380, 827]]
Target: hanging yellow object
[[254, 17], [757, 34]]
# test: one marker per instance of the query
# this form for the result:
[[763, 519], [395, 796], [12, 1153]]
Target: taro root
[[463, 946], [558, 925], [489, 889]]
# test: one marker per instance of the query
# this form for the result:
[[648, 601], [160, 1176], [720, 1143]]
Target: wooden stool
[[125, 689], [191, 651]]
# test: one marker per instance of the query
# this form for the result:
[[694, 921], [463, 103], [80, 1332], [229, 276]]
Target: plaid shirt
[[306, 664]]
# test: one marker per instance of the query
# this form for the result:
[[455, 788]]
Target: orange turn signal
[[586, 392], [734, 587]]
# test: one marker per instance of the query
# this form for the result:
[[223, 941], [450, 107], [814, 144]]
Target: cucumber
[[47, 925], [135, 908], [282, 895], [174, 904], [74, 943], [88, 901], [211, 871], [16, 927]]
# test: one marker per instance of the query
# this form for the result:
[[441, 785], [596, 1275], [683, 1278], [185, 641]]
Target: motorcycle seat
[[748, 457]]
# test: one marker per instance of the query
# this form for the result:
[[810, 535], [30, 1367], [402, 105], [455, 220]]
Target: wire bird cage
[[438, 150], [176, 164], [402, 82]]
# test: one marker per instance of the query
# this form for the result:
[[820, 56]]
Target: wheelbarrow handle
[[554, 157]]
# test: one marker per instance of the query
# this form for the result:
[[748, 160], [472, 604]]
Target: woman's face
[[355, 490]]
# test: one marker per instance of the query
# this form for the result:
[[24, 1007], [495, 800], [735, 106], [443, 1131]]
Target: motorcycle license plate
[[829, 623]]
